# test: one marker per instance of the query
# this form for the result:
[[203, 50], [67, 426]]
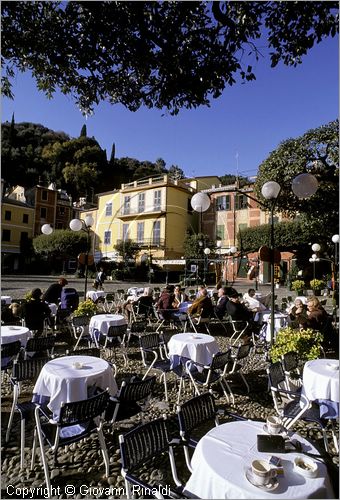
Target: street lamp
[[206, 256], [313, 260], [303, 186], [47, 229], [84, 225], [231, 252]]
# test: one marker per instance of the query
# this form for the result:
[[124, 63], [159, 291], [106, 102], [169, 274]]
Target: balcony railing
[[151, 209], [147, 242]]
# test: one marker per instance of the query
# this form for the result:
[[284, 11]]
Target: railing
[[147, 243], [137, 210]]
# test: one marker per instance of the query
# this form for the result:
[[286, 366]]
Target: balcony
[[147, 243], [155, 181], [152, 210]]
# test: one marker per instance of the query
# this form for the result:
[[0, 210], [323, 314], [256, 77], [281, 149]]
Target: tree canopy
[[61, 242], [157, 54], [315, 152]]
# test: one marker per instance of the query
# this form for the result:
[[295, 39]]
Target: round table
[[321, 384], [94, 295], [13, 333], [6, 300], [100, 323], [59, 381], [281, 320], [198, 347], [223, 455]]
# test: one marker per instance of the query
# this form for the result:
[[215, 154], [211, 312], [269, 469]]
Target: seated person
[[180, 296], [53, 293], [296, 311], [236, 310], [316, 316], [10, 315], [165, 302], [91, 294], [251, 302], [200, 290], [202, 305], [35, 312], [222, 299], [145, 302]]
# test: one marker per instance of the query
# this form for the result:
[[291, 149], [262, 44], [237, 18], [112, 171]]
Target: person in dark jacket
[[202, 306], [35, 312], [165, 304], [53, 293], [222, 299], [237, 310]]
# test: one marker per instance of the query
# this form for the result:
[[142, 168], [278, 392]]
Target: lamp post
[[303, 186], [84, 225], [232, 251], [335, 240], [206, 257]]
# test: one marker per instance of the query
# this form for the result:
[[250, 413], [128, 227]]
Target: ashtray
[[306, 466], [332, 366], [77, 365]]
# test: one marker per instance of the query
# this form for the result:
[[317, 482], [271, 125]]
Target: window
[[108, 209], [107, 237], [125, 232], [223, 203], [8, 215], [43, 213], [140, 232], [157, 200], [241, 202], [25, 218], [6, 235], [59, 225], [189, 207], [61, 210], [156, 234], [126, 209], [44, 195], [141, 202], [24, 236], [241, 227], [220, 232]]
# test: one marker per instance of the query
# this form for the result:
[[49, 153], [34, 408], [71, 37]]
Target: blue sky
[[239, 130]]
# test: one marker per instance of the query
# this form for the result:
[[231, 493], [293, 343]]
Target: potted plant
[[86, 308], [307, 343], [317, 285], [298, 286]]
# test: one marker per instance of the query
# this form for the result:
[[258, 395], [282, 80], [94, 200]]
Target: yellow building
[[17, 221], [154, 212]]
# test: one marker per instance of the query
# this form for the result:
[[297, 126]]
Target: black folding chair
[[9, 353], [116, 338], [77, 420], [141, 446], [242, 352], [191, 416], [131, 399], [211, 374], [40, 345], [23, 371], [79, 326], [89, 351]]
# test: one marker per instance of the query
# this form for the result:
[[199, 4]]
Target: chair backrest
[[290, 361], [276, 375], [117, 331], [38, 344], [149, 341], [143, 443], [28, 369], [11, 349], [78, 321], [220, 360], [243, 350], [196, 411], [83, 411], [89, 351], [137, 390]]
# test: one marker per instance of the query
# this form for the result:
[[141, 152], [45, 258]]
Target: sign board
[[162, 262], [193, 268]]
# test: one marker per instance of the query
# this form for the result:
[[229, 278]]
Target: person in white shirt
[[252, 303]]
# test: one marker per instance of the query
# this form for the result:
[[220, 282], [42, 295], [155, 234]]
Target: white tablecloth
[[199, 349], [281, 320], [95, 294], [222, 456], [320, 381], [13, 333], [61, 382], [102, 322], [6, 299]]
